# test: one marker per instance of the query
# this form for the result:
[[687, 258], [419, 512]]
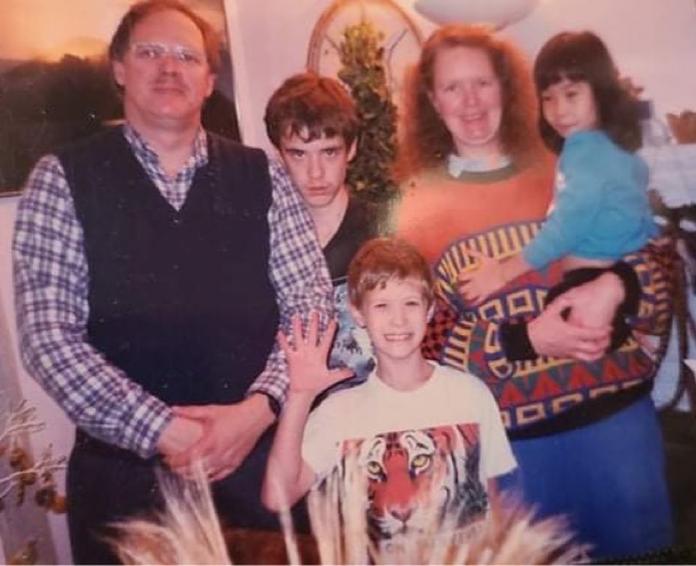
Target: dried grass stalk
[[337, 515], [509, 534], [187, 531], [289, 537]]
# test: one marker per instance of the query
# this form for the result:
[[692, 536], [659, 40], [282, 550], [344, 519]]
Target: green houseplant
[[363, 71]]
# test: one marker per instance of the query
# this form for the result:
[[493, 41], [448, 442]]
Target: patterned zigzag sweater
[[497, 213]]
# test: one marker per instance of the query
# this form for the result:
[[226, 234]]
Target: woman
[[476, 181]]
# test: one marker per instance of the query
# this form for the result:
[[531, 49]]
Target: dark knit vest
[[180, 301]]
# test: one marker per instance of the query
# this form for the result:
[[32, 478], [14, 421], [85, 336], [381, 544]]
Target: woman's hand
[[594, 303], [306, 355], [551, 335], [484, 278]]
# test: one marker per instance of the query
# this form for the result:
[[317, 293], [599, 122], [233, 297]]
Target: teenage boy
[[427, 436], [313, 123]]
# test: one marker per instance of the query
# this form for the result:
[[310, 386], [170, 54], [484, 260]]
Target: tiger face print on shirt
[[416, 477]]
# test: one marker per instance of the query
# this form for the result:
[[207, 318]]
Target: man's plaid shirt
[[51, 286]]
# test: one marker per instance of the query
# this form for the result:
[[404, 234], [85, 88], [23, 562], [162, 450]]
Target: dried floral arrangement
[[187, 531], [24, 474]]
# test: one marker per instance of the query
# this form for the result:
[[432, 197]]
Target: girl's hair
[[582, 56], [425, 139], [380, 260]]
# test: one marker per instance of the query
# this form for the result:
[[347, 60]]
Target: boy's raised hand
[[307, 354]]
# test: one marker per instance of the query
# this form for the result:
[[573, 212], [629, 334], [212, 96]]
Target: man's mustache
[[169, 79]]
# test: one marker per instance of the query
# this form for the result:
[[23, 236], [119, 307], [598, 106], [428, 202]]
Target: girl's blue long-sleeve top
[[601, 209]]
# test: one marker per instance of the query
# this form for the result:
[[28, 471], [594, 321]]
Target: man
[[153, 263], [313, 123]]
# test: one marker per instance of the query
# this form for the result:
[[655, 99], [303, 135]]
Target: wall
[[654, 41], [58, 431]]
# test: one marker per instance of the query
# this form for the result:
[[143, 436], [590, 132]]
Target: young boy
[[427, 435], [313, 123]]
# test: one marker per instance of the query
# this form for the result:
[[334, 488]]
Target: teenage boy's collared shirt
[[52, 280]]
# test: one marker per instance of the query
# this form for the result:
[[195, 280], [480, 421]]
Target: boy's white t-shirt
[[446, 436]]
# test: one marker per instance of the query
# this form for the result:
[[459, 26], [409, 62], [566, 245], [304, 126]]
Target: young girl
[[601, 210]]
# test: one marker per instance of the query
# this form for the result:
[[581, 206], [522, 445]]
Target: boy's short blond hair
[[382, 259]]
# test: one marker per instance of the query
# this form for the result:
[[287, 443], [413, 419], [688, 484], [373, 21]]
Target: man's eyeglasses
[[147, 51]]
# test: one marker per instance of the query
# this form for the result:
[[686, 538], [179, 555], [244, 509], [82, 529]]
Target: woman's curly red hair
[[425, 141]]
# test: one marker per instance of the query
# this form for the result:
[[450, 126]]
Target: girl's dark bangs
[[555, 73]]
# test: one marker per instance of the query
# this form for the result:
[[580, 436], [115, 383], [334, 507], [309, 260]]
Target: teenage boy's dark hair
[[583, 56], [382, 259], [310, 106]]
